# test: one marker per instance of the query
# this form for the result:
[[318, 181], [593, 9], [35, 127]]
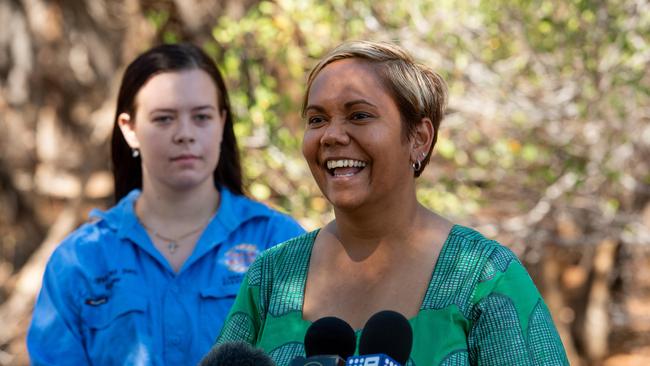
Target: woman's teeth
[[345, 167], [347, 163]]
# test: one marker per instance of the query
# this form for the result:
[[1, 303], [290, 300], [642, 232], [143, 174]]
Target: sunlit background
[[545, 147]]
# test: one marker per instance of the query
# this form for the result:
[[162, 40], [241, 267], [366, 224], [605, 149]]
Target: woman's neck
[[363, 230], [165, 207]]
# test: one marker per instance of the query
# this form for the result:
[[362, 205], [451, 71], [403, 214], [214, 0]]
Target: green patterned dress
[[481, 307]]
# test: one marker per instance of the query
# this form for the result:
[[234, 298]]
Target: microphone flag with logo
[[386, 340]]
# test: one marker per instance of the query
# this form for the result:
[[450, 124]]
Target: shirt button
[[175, 340], [174, 289]]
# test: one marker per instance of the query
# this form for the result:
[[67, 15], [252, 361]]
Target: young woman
[[151, 280], [372, 118]]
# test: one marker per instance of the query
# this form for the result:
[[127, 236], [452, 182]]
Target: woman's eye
[[360, 115], [203, 117], [315, 120], [162, 119]]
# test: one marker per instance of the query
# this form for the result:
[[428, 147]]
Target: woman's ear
[[422, 139], [127, 126], [223, 115]]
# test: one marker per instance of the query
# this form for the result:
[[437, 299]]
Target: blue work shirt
[[110, 298]]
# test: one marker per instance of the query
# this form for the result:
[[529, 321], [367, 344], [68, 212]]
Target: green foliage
[[537, 90], [158, 18]]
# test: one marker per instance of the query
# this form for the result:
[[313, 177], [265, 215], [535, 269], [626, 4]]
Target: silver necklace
[[172, 243]]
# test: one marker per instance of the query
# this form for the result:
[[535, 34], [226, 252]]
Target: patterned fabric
[[481, 307], [288, 280], [456, 358], [544, 350], [240, 325], [470, 253], [498, 262], [287, 352], [496, 332]]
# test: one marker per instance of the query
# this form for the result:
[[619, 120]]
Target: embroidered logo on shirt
[[240, 257], [110, 278]]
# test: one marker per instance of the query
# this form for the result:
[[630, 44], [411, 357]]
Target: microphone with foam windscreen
[[386, 339], [236, 354], [328, 342]]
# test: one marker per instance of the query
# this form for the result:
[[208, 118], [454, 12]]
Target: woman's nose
[[184, 132], [335, 133]]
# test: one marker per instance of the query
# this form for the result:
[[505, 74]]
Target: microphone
[[386, 339], [328, 342], [236, 354]]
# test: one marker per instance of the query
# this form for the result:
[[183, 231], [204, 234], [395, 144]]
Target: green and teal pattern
[[283, 354], [240, 326], [481, 307]]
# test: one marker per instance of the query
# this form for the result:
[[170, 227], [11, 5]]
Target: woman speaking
[[372, 118]]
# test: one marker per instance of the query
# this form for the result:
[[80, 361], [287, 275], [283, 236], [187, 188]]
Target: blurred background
[[545, 147]]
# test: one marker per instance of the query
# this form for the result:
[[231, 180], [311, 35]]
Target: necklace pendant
[[172, 246]]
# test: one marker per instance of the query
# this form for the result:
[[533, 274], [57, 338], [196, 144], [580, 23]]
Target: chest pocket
[[104, 312], [119, 323]]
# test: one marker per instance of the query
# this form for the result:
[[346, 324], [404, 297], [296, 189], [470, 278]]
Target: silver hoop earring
[[417, 165], [135, 152]]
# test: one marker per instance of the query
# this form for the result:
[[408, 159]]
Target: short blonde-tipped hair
[[418, 91]]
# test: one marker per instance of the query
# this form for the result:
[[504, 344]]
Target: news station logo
[[371, 360]]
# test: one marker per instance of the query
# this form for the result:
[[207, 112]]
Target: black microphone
[[387, 333], [328, 342], [236, 354]]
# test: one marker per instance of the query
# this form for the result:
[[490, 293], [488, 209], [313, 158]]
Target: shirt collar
[[235, 209], [232, 212], [120, 215], [122, 219]]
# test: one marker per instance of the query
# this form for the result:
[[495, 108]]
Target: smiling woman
[[349, 142], [149, 282], [372, 118]]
